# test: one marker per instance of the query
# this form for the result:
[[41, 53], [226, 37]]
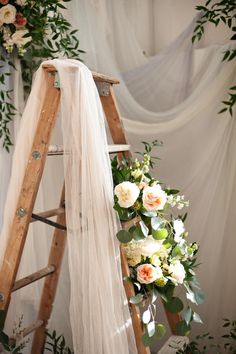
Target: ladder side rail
[[28, 193], [50, 284]]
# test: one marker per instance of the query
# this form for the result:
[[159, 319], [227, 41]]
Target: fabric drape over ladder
[[99, 312]]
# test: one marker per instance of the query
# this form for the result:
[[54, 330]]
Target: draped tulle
[[99, 314]]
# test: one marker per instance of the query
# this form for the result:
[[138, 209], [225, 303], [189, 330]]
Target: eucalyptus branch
[[223, 11]]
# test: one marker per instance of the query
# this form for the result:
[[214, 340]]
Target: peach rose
[[154, 198], [4, 2], [147, 274]]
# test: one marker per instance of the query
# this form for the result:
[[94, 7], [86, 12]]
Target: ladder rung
[[50, 213], [48, 222], [32, 328], [96, 76], [25, 332], [21, 283], [127, 224], [58, 149]]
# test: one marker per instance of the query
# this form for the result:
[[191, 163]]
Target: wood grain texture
[[28, 192]]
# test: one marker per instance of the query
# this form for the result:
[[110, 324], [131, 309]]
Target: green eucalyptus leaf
[[136, 299], [138, 234], [182, 329], [124, 236], [175, 305], [187, 315]]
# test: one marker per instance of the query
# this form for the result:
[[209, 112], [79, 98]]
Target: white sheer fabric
[[175, 96], [99, 312]]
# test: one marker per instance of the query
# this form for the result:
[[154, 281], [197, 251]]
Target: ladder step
[[32, 328], [49, 213], [55, 150], [48, 222], [21, 283]]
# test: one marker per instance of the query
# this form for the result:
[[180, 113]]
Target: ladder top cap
[[96, 76]]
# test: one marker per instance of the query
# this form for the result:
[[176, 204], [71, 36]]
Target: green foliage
[[9, 344], [223, 11], [56, 344], [204, 343], [52, 37]]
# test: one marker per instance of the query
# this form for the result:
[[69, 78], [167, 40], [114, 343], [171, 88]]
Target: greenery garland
[[33, 31], [223, 11]]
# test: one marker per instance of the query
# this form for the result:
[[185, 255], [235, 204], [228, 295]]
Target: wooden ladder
[[24, 213]]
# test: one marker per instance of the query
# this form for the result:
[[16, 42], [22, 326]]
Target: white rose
[[154, 198], [179, 229], [149, 246], [177, 272], [127, 194], [19, 39], [20, 2], [8, 14]]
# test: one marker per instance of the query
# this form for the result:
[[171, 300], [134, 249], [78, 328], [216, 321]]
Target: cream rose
[[177, 272], [19, 39], [154, 198], [127, 194], [20, 2], [148, 246], [8, 14], [147, 274]]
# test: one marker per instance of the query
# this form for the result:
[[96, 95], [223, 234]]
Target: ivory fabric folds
[[99, 314]]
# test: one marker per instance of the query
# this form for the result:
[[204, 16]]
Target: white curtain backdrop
[[171, 91], [174, 96]]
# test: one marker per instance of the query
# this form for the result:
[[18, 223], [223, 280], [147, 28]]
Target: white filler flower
[[179, 229], [7, 14], [177, 272], [127, 194]]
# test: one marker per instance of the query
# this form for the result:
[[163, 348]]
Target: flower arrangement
[[32, 31], [159, 256]]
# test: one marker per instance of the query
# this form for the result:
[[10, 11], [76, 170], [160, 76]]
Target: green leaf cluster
[[217, 12]]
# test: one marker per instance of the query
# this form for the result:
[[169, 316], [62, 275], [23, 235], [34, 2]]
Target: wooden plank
[[50, 284], [112, 149], [21, 283], [49, 213], [96, 76], [28, 192], [113, 119]]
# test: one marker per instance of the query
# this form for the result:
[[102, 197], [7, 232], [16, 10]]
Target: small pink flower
[[4, 2], [20, 20], [147, 274]]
